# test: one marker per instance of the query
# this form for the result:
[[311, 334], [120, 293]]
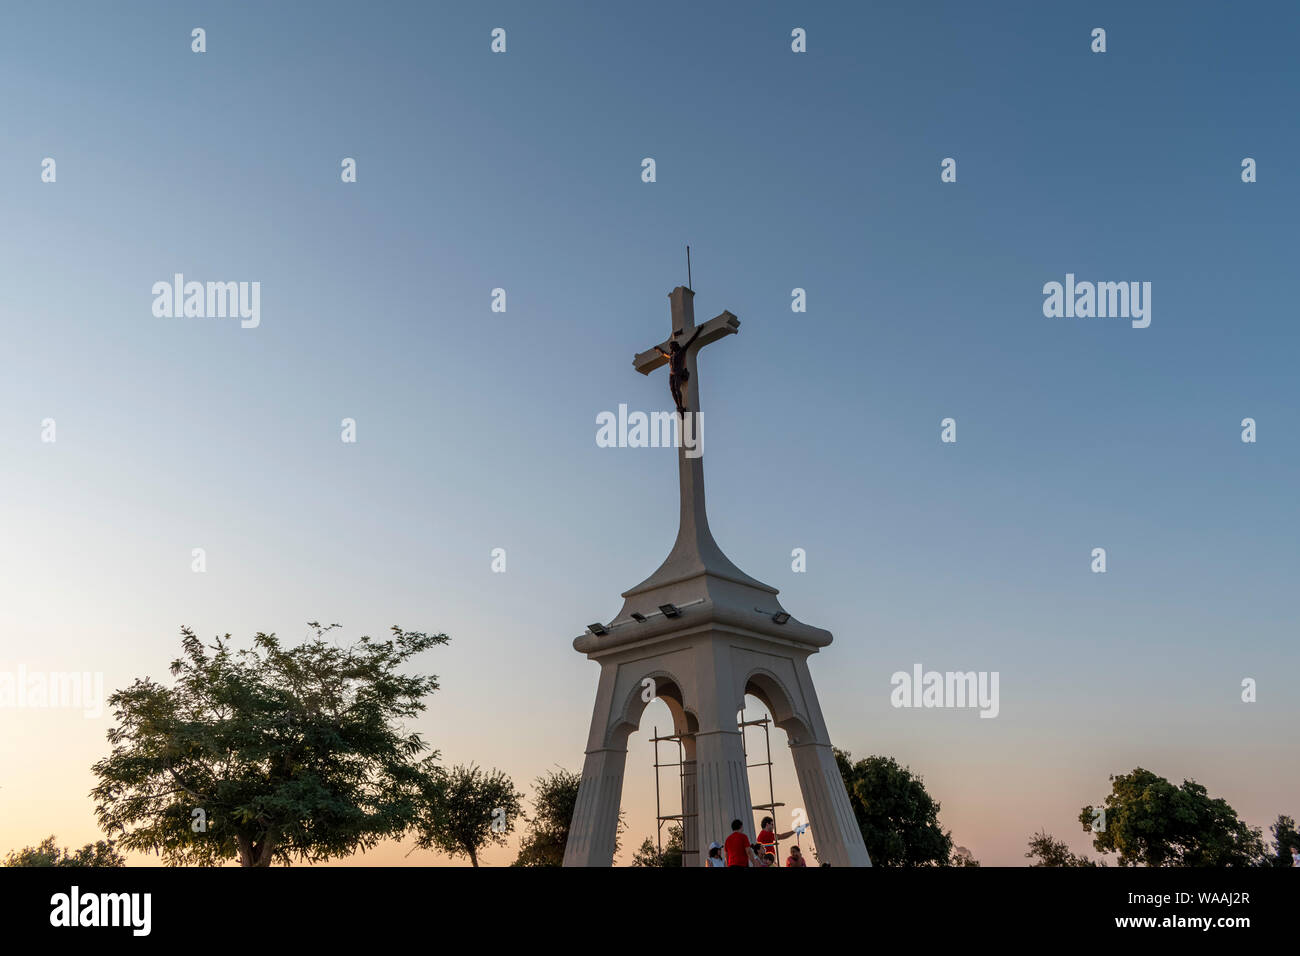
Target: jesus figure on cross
[[677, 373], [678, 352]]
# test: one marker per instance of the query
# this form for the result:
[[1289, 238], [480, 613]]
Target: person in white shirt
[[715, 855]]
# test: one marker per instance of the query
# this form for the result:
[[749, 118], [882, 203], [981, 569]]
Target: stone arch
[[776, 697], [667, 689]]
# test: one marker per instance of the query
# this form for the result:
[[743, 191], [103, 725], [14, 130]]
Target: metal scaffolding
[[765, 722], [661, 818]]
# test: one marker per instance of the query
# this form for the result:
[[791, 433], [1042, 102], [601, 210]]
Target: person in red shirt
[[736, 847], [796, 857], [767, 837]]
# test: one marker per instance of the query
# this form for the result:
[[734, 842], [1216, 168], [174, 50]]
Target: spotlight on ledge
[[639, 618], [670, 610], [780, 617], [598, 629]]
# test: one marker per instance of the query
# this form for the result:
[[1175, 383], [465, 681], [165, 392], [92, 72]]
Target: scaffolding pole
[[771, 805], [660, 817]]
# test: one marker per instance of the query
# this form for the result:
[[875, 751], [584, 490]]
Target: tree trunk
[[267, 850], [252, 853]]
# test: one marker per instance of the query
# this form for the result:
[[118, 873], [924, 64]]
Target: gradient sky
[[476, 430]]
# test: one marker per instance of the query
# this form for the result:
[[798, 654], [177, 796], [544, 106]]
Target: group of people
[[737, 850]]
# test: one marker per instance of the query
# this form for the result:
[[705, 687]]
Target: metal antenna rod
[[688, 269]]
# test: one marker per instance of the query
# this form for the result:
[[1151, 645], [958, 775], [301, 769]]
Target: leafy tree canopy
[[267, 753], [649, 855], [1150, 822], [1285, 838], [898, 818], [47, 853], [962, 857], [555, 795], [465, 808], [1045, 850]]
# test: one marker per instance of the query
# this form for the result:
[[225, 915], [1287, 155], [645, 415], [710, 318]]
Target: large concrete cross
[[694, 549]]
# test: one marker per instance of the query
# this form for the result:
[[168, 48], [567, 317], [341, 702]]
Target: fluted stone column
[[834, 828], [723, 786], [595, 817], [690, 806], [594, 828]]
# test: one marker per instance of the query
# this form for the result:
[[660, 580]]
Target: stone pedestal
[[707, 634]]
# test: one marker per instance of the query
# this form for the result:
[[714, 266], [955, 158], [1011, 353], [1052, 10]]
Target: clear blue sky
[[476, 430]]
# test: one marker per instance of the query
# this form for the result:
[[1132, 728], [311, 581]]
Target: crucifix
[[695, 546], [676, 352]]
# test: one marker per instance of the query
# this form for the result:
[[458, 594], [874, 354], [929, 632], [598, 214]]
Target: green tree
[[1047, 851], [648, 854], [898, 818], [465, 809], [962, 857], [1284, 838], [555, 795], [1149, 821], [268, 753], [48, 853]]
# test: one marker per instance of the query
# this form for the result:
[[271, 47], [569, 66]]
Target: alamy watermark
[[1085, 300], [130, 910], [655, 430], [946, 689], [210, 300], [73, 690]]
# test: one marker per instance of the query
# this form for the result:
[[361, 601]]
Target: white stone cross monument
[[706, 634]]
